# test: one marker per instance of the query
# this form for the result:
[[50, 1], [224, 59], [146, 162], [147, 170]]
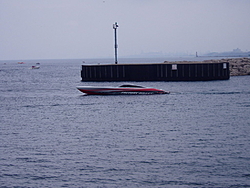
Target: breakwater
[[237, 66], [166, 71]]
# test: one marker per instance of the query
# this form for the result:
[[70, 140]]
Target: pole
[[115, 26]]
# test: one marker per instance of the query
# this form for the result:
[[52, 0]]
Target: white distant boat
[[121, 90], [37, 66]]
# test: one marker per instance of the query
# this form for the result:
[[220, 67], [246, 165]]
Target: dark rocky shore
[[237, 66]]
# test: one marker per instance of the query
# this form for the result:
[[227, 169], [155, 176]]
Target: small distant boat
[[121, 90], [37, 66], [20, 62]]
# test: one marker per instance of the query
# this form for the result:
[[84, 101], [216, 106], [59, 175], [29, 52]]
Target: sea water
[[52, 135]]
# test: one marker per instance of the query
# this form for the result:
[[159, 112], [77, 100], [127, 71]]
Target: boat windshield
[[128, 85]]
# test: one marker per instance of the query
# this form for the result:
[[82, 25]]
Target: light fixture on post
[[115, 26]]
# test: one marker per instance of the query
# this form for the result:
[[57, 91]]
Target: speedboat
[[121, 90]]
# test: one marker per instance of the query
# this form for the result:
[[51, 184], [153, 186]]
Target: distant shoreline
[[222, 56]]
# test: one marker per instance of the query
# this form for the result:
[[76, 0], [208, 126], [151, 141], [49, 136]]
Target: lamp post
[[115, 26]]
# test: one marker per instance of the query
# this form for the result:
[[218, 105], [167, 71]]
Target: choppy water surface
[[51, 135]]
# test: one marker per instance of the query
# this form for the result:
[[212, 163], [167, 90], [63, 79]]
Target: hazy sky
[[46, 29]]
